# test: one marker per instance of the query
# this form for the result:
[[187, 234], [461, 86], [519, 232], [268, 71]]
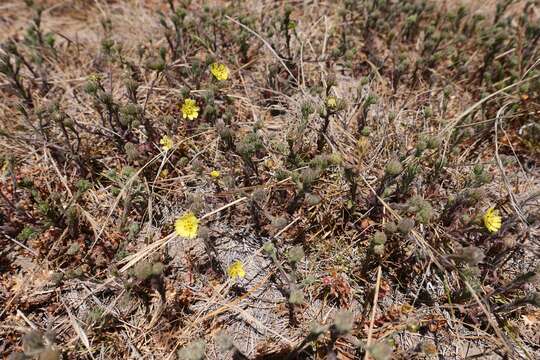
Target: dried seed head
[[295, 254], [379, 238], [33, 343], [393, 167], [279, 222], [405, 225], [197, 203], [193, 351], [143, 270], [421, 208], [226, 133], [224, 342], [50, 354], [421, 145], [390, 227], [157, 268], [131, 151], [312, 199], [534, 299], [428, 348], [269, 248], [309, 176], [378, 250], [204, 232], [17, 356], [229, 181], [470, 255], [317, 330], [381, 351], [343, 322], [475, 195], [258, 195], [296, 297], [73, 249]]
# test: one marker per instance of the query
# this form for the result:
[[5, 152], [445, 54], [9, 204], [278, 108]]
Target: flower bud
[[393, 168], [296, 297], [193, 351], [269, 248], [405, 225], [390, 227], [379, 238], [343, 322], [295, 254]]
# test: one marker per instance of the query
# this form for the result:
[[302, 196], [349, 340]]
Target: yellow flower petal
[[236, 270], [331, 102], [215, 174], [164, 173], [220, 71], [187, 226], [190, 109], [166, 142], [492, 220]]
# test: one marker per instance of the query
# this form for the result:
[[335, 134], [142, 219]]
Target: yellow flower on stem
[[187, 226], [94, 77], [220, 71], [492, 220], [236, 270], [331, 102], [166, 143], [190, 109], [215, 174], [164, 173]]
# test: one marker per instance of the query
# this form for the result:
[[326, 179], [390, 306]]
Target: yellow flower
[[190, 109], [215, 174], [220, 71], [236, 270], [187, 225], [166, 143], [94, 77], [492, 220], [164, 173], [331, 102]]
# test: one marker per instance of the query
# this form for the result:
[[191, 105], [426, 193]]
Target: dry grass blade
[[79, 331], [373, 311]]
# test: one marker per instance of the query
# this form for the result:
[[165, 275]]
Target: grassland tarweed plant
[[340, 157]]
